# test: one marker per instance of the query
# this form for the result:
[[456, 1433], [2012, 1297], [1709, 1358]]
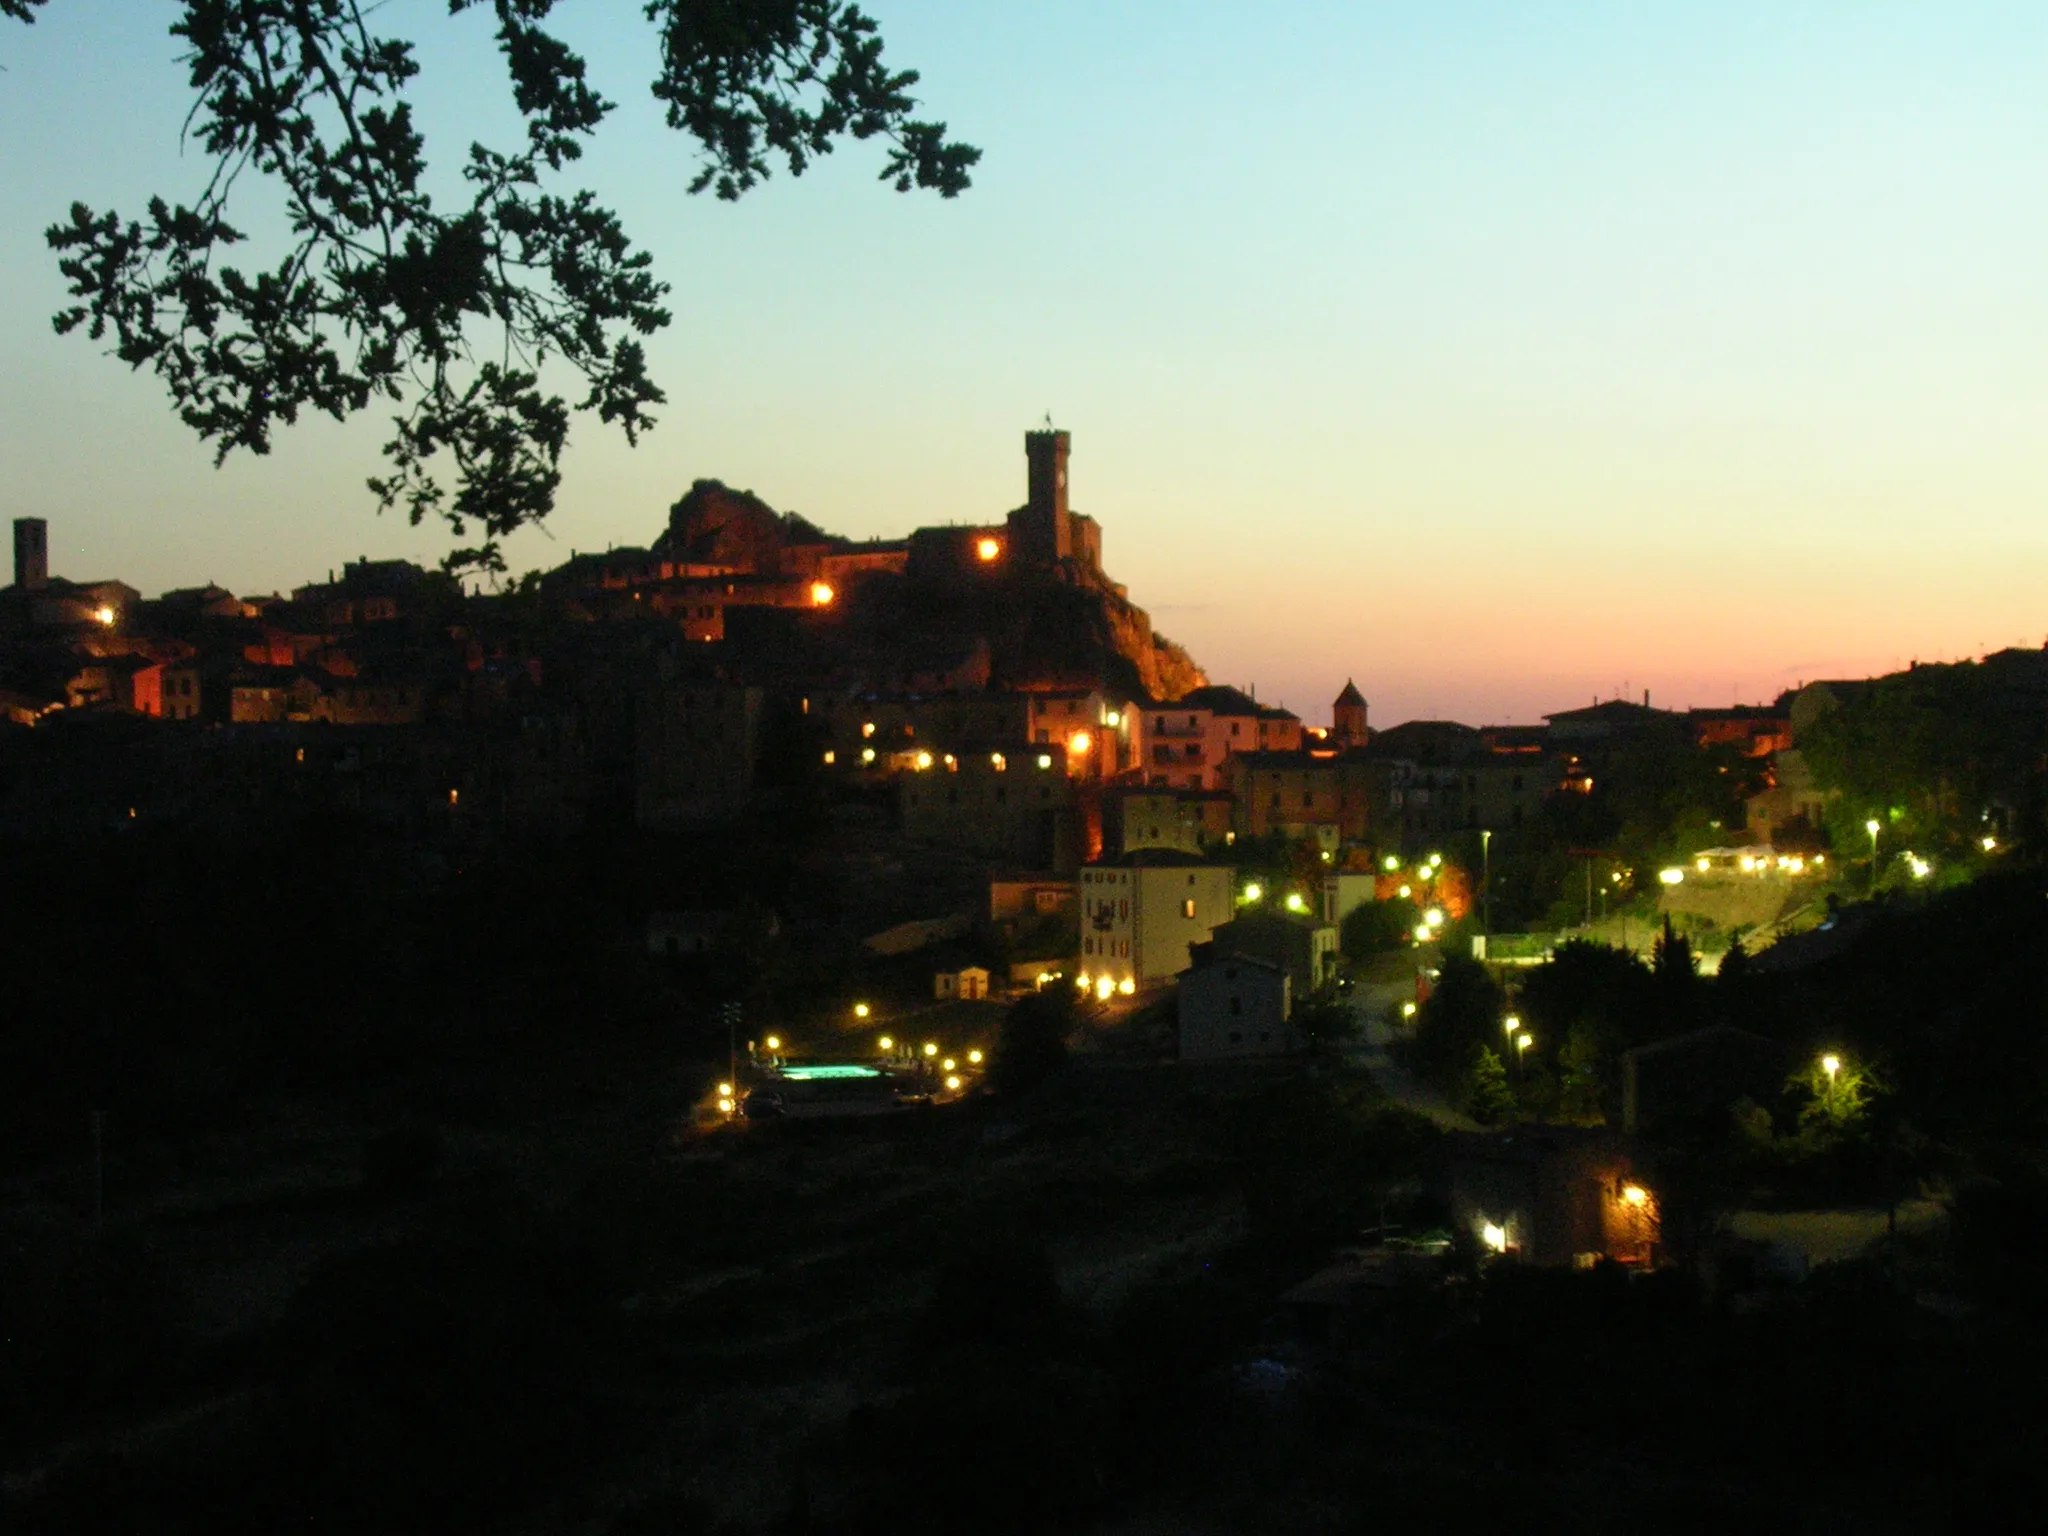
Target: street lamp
[[1512, 1024], [1870, 826], [860, 1010]]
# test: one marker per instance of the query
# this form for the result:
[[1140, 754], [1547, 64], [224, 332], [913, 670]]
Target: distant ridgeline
[[1024, 599]]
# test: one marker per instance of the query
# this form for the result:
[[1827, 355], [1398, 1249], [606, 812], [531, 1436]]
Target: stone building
[[697, 746], [1185, 744], [1184, 820], [1294, 794], [1015, 807], [1305, 950], [1234, 1006]]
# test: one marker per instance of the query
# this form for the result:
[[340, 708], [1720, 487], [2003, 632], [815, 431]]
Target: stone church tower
[[1347, 717]]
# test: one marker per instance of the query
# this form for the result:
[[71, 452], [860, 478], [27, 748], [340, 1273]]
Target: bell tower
[[1347, 717]]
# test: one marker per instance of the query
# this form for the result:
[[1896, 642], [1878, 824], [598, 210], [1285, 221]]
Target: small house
[[968, 984]]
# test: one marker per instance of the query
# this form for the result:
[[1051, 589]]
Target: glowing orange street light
[[986, 550], [822, 594], [1079, 743]]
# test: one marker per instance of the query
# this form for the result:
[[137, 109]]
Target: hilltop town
[[870, 963]]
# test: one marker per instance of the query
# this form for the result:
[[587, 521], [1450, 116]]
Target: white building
[[1344, 892], [1140, 914]]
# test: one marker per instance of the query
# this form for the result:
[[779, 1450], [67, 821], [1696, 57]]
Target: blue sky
[[1495, 355]]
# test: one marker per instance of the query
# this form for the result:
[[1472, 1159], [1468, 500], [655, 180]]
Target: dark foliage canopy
[[452, 314]]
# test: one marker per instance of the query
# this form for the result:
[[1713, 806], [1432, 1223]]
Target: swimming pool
[[825, 1072]]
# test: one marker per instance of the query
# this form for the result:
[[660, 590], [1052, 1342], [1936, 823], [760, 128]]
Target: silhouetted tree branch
[[452, 314]]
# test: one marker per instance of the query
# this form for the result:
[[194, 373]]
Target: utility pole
[[1589, 891], [1486, 886]]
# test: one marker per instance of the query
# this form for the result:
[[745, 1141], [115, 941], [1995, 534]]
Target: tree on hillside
[[1926, 750], [1491, 1100], [1463, 1013], [1609, 990], [1377, 927], [452, 315], [1324, 1019], [1032, 1044], [1582, 1081]]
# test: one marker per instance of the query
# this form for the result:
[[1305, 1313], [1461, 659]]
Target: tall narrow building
[[1042, 530], [1347, 717], [31, 553]]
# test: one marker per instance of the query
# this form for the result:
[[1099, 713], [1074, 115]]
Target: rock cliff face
[[1165, 671]]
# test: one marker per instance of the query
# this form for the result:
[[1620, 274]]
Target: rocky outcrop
[[717, 525], [1164, 670]]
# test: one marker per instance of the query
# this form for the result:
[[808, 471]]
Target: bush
[[1032, 1045], [1378, 928]]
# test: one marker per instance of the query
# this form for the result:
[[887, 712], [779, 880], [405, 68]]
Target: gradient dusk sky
[[1494, 355]]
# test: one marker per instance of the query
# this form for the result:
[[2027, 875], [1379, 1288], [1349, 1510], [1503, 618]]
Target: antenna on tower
[[1048, 421]]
